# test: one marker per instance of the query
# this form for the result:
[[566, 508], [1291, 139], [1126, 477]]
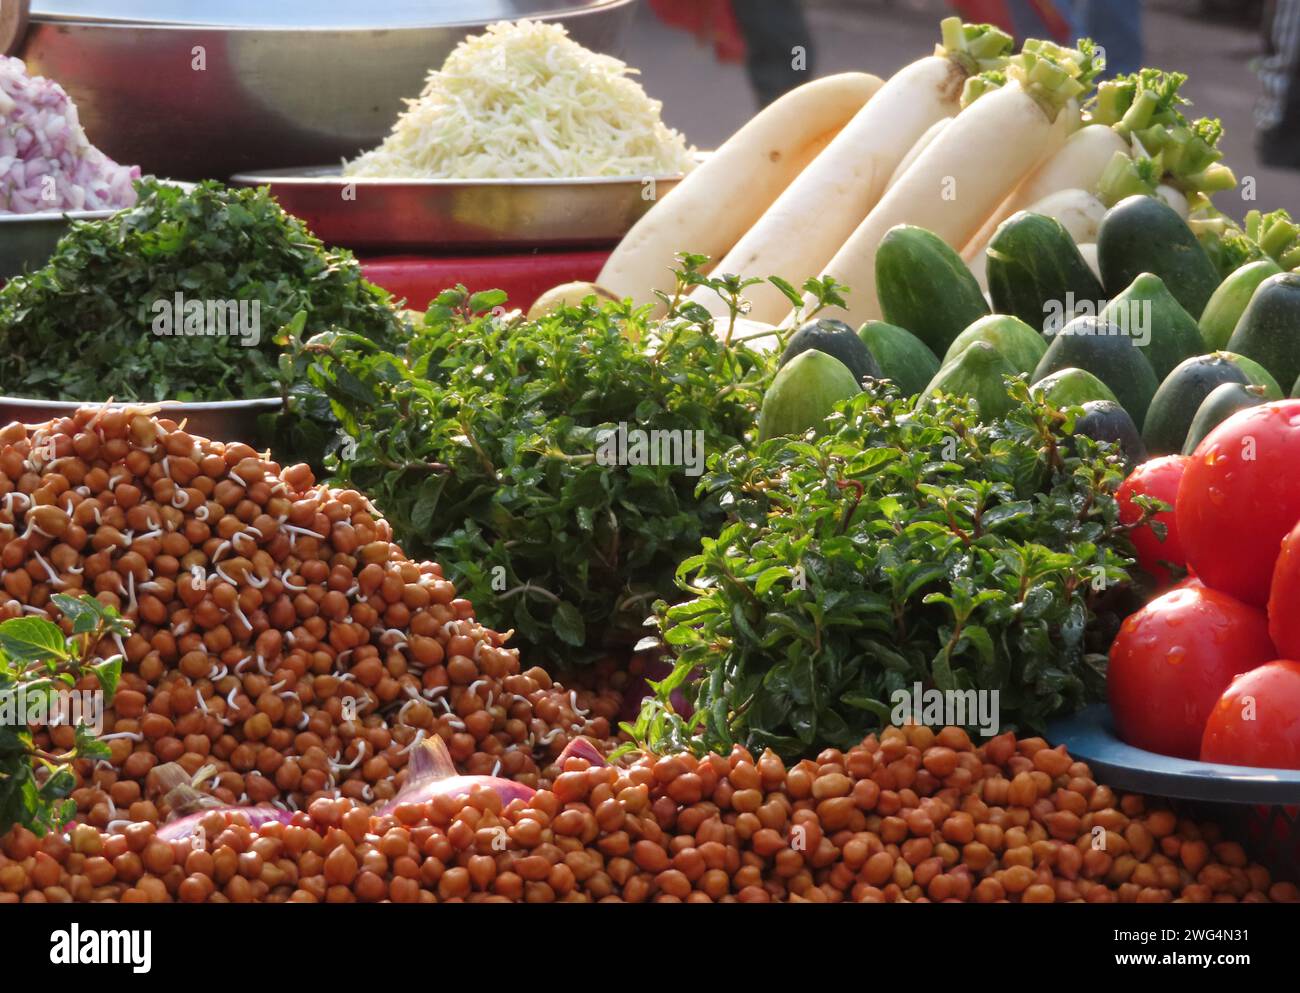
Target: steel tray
[[454, 215]]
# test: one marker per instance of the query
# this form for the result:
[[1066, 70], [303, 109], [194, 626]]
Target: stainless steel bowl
[[219, 420], [27, 240], [281, 84]]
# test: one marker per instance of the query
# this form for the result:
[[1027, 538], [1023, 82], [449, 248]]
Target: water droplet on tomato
[[1176, 655]]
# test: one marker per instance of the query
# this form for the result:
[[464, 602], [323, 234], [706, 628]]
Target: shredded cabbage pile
[[46, 161], [526, 100]]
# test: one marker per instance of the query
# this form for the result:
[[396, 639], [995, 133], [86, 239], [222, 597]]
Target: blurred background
[[713, 61]]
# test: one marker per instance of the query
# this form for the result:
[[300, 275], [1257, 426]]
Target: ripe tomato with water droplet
[[1256, 722], [1172, 660], [1239, 496]]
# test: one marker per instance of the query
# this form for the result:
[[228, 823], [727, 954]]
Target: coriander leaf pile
[[907, 545], [486, 443], [83, 326]]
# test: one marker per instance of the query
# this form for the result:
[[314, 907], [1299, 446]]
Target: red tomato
[[1257, 720], [1240, 496], [1158, 478], [1284, 598], [1173, 659]]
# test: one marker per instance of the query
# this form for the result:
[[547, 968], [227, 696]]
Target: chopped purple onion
[[46, 161]]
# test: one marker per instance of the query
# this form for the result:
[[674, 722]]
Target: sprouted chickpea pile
[[283, 648], [909, 816]]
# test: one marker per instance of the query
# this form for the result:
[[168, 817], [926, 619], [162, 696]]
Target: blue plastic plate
[[1090, 737]]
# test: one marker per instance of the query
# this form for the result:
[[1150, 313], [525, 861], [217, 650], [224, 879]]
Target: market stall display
[[924, 530]]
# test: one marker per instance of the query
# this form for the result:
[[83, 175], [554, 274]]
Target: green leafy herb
[[512, 452], [906, 545], [84, 326], [38, 663]]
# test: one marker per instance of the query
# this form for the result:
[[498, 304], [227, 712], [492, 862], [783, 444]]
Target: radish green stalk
[[1144, 108], [1277, 235]]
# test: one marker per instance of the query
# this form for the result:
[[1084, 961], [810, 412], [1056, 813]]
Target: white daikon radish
[[1089, 253], [914, 152], [968, 170], [1078, 164], [720, 199], [1079, 212], [1174, 198], [808, 223]]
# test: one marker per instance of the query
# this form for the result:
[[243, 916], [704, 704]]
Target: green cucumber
[[1224, 401], [1106, 420], [1144, 234], [1148, 312], [1269, 329], [1102, 349], [977, 373], [1229, 302], [1017, 342], [925, 287], [1175, 404], [1036, 272], [1073, 388], [803, 392], [903, 357], [837, 340]]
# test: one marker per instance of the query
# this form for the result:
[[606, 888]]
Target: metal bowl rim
[[103, 214], [301, 177], [79, 21], [181, 406], [48, 216]]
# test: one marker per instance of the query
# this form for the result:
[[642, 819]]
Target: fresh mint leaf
[[956, 569]]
